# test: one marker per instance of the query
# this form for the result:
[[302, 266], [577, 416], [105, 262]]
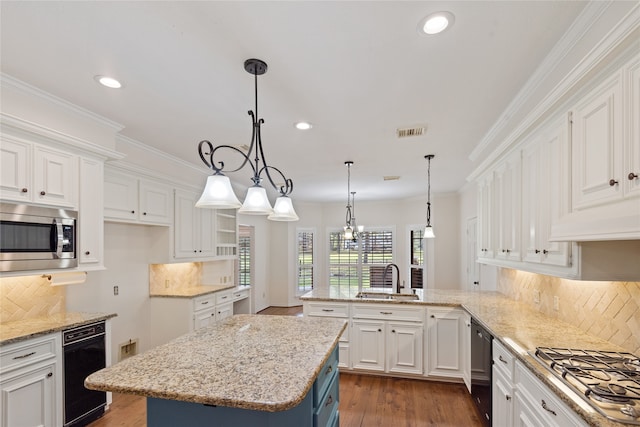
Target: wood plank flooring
[[365, 401]]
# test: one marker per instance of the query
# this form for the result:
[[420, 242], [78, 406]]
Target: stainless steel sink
[[386, 296]]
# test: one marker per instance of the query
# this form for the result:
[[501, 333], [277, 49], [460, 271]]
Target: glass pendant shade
[[428, 232], [283, 210], [218, 194], [348, 233], [256, 202]]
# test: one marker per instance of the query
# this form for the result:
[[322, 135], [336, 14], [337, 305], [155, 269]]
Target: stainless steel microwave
[[37, 238]]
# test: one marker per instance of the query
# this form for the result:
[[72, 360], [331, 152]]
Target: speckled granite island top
[[20, 330], [265, 363]]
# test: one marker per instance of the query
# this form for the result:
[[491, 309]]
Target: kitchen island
[[243, 370]]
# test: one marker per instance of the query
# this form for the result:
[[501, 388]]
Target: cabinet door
[[502, 400], [523, 415], [597, 146], [91, 221], [207, 234], [405, 348], [466, 349], [368, 345], [15, 171], [29, 399], [445, 342], [55, 177], [155, 202], [632, 155], [223, 311], [120, 196], [486, 218], [186, 226], [204, 318], [508, 194]]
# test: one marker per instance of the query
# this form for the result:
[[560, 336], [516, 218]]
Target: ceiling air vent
[[410, 131]]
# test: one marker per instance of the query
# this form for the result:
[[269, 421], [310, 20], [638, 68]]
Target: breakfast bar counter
[[246, 367]]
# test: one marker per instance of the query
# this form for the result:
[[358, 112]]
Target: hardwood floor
[[365, 401]]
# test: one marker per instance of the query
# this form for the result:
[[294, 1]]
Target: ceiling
[[356, 70]]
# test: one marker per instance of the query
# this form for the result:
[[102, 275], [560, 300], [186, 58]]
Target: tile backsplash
[[26, 297], [174, 276], [608, 310]]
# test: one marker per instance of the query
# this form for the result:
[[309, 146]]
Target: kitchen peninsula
[[243, 370]]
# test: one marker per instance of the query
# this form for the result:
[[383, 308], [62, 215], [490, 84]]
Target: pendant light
[[218, 193], [428, 230], [350, 229]]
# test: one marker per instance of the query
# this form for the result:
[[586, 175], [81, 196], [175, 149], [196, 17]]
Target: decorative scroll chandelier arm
[[284, 189], [207, 156]]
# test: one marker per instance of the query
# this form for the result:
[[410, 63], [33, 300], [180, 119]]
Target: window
[[416, 240], [360, 264], [305, 261], [244, 260]]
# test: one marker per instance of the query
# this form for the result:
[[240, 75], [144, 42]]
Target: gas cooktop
[[609, 381]]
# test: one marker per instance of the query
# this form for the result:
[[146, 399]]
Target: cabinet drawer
[[204, 302], [503, 360], [326, 375], [24, 353], [328, 406], [223, 297], [388, 312], [543, 401], [239, 295], [327, 309]]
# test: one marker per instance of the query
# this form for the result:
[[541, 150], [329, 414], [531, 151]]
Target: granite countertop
[[20, 330], [216, 365], [516, 325], [192, 291]]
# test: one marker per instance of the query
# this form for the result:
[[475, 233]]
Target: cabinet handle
[[329, 401], [24, 356], [545, 251], [329, 370], [537, 251], [144, 213], [393, 330], [631, 176], [133, 212], [87, 253], [612, 182], [379, 330], [500, 358], [24, 190], [386, 312], [204, 302], [546, 408], [213, 314], [508, 397], [42, 193], [328, 310], [50, 374], [433, 316]]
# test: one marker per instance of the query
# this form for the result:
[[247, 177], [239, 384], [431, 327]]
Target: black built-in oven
[[481, 367], [84, 354]]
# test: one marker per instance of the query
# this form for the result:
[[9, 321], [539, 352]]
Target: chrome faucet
[[384, 276]]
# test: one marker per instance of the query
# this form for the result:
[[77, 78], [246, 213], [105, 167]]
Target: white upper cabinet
[[486, 217], [508, 208], [33, 173], [631, 166], [91, 218], [194, 231], [128, 198]]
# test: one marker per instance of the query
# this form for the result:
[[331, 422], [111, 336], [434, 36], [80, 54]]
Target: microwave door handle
[[59, 238]]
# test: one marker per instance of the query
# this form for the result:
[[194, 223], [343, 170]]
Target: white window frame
[[314, 264]]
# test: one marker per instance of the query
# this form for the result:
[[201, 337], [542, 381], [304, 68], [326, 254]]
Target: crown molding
[[7, 80]]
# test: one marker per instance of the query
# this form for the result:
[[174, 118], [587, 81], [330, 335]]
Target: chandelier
[[351, 230], [218, 194], [428, 230]]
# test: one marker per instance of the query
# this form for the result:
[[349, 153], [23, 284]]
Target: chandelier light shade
[[428, 230], [351, 231], [218, 193], [283, 210]]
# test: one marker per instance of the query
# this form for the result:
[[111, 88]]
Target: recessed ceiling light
[[436, 23], [108, 82], [303, 125]]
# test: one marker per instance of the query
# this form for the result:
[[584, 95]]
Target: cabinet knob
[[433, 316], [87, 253], [508, 397], [50, 374], [144, 213], [612, 182], [545, 251], [393, 330], [24, 190], [42, 193], [631, 176], [133, 212], [537, 251], [476, 283], [379, 330]]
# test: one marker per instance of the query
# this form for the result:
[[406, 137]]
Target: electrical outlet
[[536, 296], [166, 283], [116, 291], [556, 303]]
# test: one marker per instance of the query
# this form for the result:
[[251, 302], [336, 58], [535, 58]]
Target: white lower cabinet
[[502, 388], [536, 405], [31, 383], [387, 338], [338, 310], [446, 335]]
